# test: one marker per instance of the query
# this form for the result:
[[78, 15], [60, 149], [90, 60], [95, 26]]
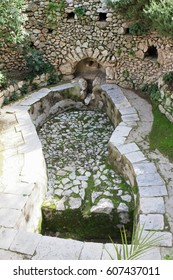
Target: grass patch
[[162, 134]]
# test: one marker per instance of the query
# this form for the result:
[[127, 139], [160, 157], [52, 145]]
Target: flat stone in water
[[104, 206]]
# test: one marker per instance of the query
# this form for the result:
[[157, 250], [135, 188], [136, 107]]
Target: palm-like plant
[[142, 241]]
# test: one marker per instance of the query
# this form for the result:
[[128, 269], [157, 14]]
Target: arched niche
[[90, 69]]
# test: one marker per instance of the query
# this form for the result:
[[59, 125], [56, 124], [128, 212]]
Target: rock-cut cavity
[[86, 199]]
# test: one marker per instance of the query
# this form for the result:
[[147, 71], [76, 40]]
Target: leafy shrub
[[151, 13], [6, 101], [138, 28], [11, 21], [168, 77], [152, 90], [3, 80], [53, 79], [35, 63], [79, 11], [13, 97], [52, 10], [34, 86], [161, 14], [24, 89]]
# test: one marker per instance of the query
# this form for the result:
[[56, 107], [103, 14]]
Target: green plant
[[24, 89], [6, 101], [79, 11], [141, 243], [168, 257], [3, 80], [53, 78], [53, 10], [148, 13], [126, 74], [11, 21], [168, 77], [161, 134], [131, 52], [119, 51], [161, 13], [34, 86], [152, 90], [14, 96], [138, 28], [35, 63]]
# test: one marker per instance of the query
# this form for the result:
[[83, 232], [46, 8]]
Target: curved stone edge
[[18, 244], [131, 162]]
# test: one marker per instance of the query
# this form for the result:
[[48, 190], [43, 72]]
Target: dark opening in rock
[[50, 30], [70, 16], [102, 16], [151, 52]]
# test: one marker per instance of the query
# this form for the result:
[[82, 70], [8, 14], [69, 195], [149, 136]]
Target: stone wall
[[100, 36]]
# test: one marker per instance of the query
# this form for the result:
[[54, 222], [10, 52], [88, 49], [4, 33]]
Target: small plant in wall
[[79, 11], [3, 80], [54, 10]]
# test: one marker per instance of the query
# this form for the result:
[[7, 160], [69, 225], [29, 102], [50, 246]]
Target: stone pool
[[86, 198]]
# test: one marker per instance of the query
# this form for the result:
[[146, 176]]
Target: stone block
[[135, 157], [128, 148], [12, 201], [9, 217], [164, 238], [121, 131], [131, 117], [149, 180], [51, 248], [6, 237], [109, 252], [144, 168], [7, 255], [20, 188], [151, 205], [25, 242], [91, 251], [152, 191], [127, 111], [152, 254], [152, 221]]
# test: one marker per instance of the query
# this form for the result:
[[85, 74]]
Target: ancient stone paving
[[79, 175]]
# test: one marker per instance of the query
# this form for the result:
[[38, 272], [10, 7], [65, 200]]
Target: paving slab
[[153, 191], [25, 242], [135, 157], [144, 168], [109, 252], [9, 217], [6, 237], [51, 248], [152, 221], [91, 251], [12, 201], [149, 180], [152, 205], [128, 148], [7, 255]]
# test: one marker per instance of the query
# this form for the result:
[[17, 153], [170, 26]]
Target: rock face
[[100, 35]]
